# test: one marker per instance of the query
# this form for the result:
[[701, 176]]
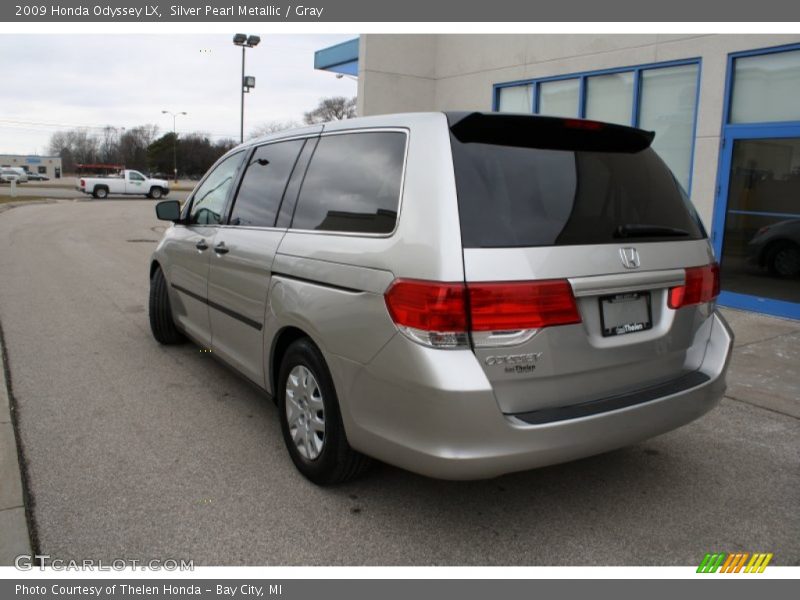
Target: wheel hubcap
[[305, 412]]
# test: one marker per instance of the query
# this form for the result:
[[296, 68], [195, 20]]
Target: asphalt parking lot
[[136, 450]]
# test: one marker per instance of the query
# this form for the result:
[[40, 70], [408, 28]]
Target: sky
[[56, 82]]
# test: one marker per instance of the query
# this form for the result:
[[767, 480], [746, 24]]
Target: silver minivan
[[459, 294]]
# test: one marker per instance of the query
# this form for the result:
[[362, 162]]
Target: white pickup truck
[[128, 182]]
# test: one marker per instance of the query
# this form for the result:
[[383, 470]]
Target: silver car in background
[[459, 294]]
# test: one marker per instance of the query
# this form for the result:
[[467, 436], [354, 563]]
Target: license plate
[[625, 313]]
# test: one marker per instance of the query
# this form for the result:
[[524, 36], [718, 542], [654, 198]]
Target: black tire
[[156, 193], [100, 192], [337, 462], [161, 323], [783, 259]]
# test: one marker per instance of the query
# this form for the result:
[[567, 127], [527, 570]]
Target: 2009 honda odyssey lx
[[462, 294]]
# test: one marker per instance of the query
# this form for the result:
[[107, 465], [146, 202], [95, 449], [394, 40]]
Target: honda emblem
[[629, 257]]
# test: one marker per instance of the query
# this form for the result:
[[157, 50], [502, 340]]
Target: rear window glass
[[353, 183], [512, 195]]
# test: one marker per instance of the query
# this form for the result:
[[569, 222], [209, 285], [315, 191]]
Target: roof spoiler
[[547, 133]]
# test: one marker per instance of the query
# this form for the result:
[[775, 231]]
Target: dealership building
[[725, 110], [43, 165]]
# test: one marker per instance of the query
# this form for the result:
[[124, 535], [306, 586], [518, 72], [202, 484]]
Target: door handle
[[201, 245], [221, 248]]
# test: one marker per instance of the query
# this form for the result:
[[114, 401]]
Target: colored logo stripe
[[735, 562], [758, 563], [711, 562]]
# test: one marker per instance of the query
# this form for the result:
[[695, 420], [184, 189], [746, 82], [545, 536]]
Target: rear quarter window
[[353, 183]]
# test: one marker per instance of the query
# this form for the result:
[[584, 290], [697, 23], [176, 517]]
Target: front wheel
[[156, 193], [311, 421], [161, 323]]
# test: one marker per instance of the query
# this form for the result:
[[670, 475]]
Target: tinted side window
[[353, 183], [209, 199], [295, 182], [263, 184]]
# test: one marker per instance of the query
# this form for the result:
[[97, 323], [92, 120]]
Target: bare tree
[[108, 145], [271, 127], [335, 108], [133, 145], [75, 146]]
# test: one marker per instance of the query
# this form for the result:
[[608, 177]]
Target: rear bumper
[[444, 421]]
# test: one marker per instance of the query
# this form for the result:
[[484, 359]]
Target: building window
[[560, 98], [660, 97], [668, 99], [765, 88], [610, 98], [42, 170], [756, 212], [515, 99]]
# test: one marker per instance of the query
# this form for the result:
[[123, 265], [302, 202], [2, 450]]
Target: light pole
[[245, 41], [174, 141]]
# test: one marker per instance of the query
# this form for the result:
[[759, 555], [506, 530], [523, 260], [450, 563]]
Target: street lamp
[[245, 41], [174, 141]]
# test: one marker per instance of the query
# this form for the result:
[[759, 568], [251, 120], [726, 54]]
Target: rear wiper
[[624, 231]]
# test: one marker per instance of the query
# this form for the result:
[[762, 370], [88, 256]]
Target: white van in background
[[22, 174]]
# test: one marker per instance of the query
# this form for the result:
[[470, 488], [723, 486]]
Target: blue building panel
[[341, 58]]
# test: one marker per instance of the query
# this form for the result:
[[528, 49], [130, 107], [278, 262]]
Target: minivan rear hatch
[[588, 272]]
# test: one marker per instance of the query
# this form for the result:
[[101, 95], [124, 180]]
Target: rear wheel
[[783, 259], [161, 322], [311, 421], [100, 192]]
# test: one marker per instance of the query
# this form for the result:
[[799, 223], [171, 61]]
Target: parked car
[[22, 174], [128, 182], [461, 295], [776, 247], [37, 176], [7, 175]]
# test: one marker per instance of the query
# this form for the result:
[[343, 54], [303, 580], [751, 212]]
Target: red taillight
[[523, 305], [427, 305], [455, 308], [702, 285], [83, 183]]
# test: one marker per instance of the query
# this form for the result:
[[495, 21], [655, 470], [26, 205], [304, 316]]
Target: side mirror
[[169, 210]]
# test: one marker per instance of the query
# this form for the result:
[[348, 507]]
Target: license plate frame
[[612, 307]]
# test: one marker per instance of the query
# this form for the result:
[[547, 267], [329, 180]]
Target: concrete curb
[[15, 538]]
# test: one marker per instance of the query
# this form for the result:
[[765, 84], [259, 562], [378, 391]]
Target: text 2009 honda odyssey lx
[[462, 295]]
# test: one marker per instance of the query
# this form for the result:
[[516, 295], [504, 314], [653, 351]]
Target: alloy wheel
[[305, 412]]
